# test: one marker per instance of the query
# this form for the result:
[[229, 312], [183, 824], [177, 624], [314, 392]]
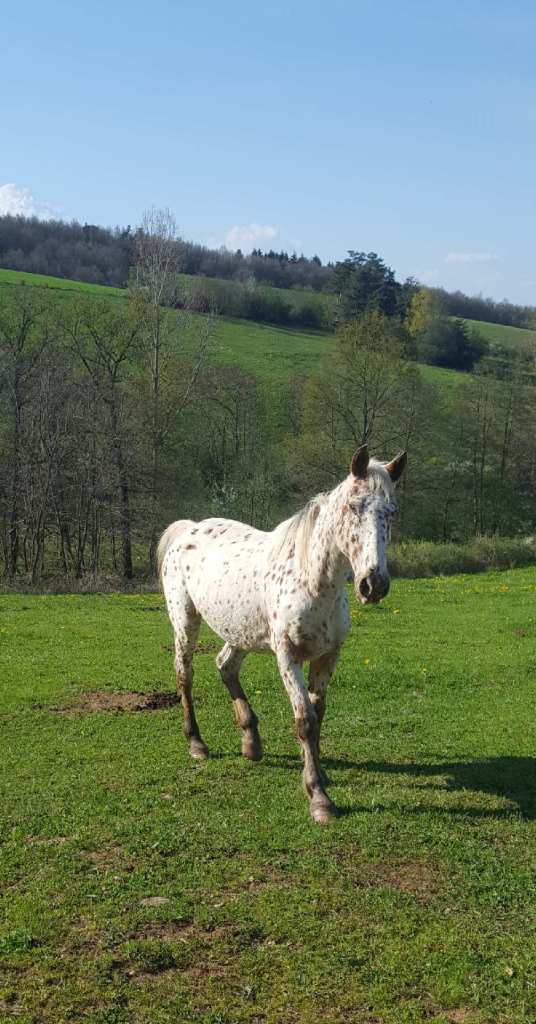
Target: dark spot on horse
[[190, 547]]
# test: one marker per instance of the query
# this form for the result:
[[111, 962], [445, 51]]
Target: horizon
[[263, 252]]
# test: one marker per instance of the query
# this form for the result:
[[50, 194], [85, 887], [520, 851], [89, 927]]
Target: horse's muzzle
[[372, 588]]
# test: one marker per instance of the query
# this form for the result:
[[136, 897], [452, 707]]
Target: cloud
[[470, 257], [20, 202], [249, 236]]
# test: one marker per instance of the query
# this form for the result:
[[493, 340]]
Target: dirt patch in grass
[[166, 931], [109, 858], [47, 840], [122, 700], [413, 877]]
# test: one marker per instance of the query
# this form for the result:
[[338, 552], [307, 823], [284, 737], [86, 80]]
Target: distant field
[[496, 334], [138, 887], [499, 334], [274, 353], [43, 281]]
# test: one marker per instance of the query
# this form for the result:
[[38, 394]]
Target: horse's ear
[[359, 463], [397, 466]]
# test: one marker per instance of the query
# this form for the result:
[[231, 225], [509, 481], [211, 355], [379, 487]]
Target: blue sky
[[408, 128]]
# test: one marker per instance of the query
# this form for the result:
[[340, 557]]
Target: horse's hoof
[[252, 749], [323, 811], [198, 750]]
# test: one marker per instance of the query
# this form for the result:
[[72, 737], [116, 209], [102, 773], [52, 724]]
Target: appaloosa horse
[[283, 592]]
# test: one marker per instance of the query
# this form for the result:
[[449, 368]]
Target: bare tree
[[105, 339], [157, 265], [23, 339]]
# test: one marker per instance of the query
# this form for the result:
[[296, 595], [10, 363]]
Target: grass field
[[501, 334], [274, 353], [136, 886], [15, 277]]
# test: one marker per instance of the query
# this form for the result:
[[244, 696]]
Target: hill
[[274, 353], [503, 335]]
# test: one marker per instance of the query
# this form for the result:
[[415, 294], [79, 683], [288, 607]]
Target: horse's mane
[[297, 531]]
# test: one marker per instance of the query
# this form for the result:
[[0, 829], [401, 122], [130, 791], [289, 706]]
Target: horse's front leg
[[291, 668], [320, 672]]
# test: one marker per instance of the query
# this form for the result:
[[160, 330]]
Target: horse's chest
[[316, 628]]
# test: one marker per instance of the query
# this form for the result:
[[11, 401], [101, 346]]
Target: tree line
[[94, 254], [116, 418]]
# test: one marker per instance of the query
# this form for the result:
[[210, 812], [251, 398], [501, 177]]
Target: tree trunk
[[124, 494]]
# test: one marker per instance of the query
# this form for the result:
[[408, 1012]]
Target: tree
[[450, 344], [423, 311], [439, 339], [24, 335], [365, 392], [157, 265], [364, 283], [105, 337]]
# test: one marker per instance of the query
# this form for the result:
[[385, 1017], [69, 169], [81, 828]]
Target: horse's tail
[[167, 538]]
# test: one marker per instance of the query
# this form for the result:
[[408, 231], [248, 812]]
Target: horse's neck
[[328, 565]]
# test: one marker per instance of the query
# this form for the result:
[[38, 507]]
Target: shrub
[[418, 558]]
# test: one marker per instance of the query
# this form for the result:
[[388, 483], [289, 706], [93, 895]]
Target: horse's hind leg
[[229, 661], [186, 632]]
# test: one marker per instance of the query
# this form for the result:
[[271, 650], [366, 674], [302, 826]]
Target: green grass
[[275, 353], [500, 334], [417, 905], [279, 341], [18, 277]]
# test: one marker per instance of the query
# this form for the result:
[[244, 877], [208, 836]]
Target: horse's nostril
[[365, 587]]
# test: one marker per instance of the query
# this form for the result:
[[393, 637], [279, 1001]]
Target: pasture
[[502, 334], [138, 887], [273, 352]]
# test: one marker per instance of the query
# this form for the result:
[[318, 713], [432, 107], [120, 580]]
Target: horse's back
[[169, 537], [221, 563]]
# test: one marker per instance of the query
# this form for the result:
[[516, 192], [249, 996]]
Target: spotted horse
[[284, 592]]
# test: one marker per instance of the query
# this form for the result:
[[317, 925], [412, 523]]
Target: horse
[[283, 592]]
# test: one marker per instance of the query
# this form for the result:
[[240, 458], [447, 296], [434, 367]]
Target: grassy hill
[[286, 346], [501, 334], [15, 277], [274, 353], [270, 351]]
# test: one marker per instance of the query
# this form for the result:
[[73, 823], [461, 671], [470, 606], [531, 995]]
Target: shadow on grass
[[512, 778]]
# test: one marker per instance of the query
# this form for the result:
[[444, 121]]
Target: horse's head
[[364, 523]]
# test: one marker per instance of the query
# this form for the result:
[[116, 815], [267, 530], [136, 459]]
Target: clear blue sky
[[407, 127]]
